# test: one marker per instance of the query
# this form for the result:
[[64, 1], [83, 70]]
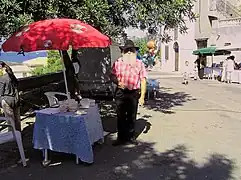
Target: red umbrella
[[55, 34]]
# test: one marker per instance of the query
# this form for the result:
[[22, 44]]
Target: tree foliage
[[54, 64], [108, 16], [142, 44]]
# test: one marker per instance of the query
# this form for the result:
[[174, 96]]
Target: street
[[189, 132]]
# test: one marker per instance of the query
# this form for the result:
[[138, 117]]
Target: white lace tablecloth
[[236, 76], [216, 71], [68, 132]]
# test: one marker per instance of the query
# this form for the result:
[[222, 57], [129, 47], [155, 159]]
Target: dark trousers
[[127, 104]]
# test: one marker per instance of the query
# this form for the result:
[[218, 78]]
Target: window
[[166, 52]]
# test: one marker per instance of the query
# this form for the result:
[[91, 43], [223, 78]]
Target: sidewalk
[[158, 73]]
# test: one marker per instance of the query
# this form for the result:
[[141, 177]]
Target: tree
[[12, 17], [54, 64], [142, 44], [108, 16], [111, 17]]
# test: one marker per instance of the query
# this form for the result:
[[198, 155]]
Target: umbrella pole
[[212, 67], [64, 73]]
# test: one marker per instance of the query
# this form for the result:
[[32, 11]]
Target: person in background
[[236, 66], [200, 65], [129, 74], [9, 95], [195, 71], [230, 68], [186, 73], [224, 71]]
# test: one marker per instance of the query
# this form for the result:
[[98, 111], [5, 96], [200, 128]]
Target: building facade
[[218, 23]]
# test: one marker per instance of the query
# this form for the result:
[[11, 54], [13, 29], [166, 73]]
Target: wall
[[32, 89], [33, 82], [228, 34], [95, 68], [206, 32], [203, 26], [186, 46], [95, 63], [200, 29], [21, 70]]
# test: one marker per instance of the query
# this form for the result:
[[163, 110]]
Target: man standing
[[195, 71], [224, 71], [129, 74], [230, 68]]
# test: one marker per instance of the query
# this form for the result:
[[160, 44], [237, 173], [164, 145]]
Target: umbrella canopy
[[209, 51], [55, 34], [230, 48]]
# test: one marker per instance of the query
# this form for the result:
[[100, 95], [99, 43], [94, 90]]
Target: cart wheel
[[46, 163]]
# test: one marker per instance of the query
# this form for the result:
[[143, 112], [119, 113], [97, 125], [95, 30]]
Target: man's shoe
[[133, 141], [118, 143]]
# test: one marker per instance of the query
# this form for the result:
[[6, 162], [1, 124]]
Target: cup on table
[[62, 106], [92, 102], [85, 103], [72, 105]]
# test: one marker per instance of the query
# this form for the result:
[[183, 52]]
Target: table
[[153, 85], [68, 133], [236, 76], [210, 72]]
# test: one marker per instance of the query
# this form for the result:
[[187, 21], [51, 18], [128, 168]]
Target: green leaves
[[54, 64], [109, 16], [142, 44]]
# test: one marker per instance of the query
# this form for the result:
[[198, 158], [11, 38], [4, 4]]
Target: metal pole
[[64, 73], [212, 67]]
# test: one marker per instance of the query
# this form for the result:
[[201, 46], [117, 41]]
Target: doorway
[[201, 43]]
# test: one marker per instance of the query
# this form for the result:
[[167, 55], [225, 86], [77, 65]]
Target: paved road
[[188, 132]]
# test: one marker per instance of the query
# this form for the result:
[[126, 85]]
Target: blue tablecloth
[[152, 84], [68, 132]]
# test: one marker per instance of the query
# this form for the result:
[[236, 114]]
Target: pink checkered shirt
[[131, 76]]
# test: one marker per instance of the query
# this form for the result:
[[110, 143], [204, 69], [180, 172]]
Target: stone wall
[[32, 82], [32, 89], [96, 68]]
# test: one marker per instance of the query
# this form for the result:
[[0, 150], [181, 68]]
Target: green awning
[[209, 51], [205, 51]]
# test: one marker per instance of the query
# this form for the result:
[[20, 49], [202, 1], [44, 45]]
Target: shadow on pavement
[[165, 101], [127, 162]]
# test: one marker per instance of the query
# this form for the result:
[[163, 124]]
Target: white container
[[72, 105], [73, 108], [85, 103], [92, 102], [63, 108]]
